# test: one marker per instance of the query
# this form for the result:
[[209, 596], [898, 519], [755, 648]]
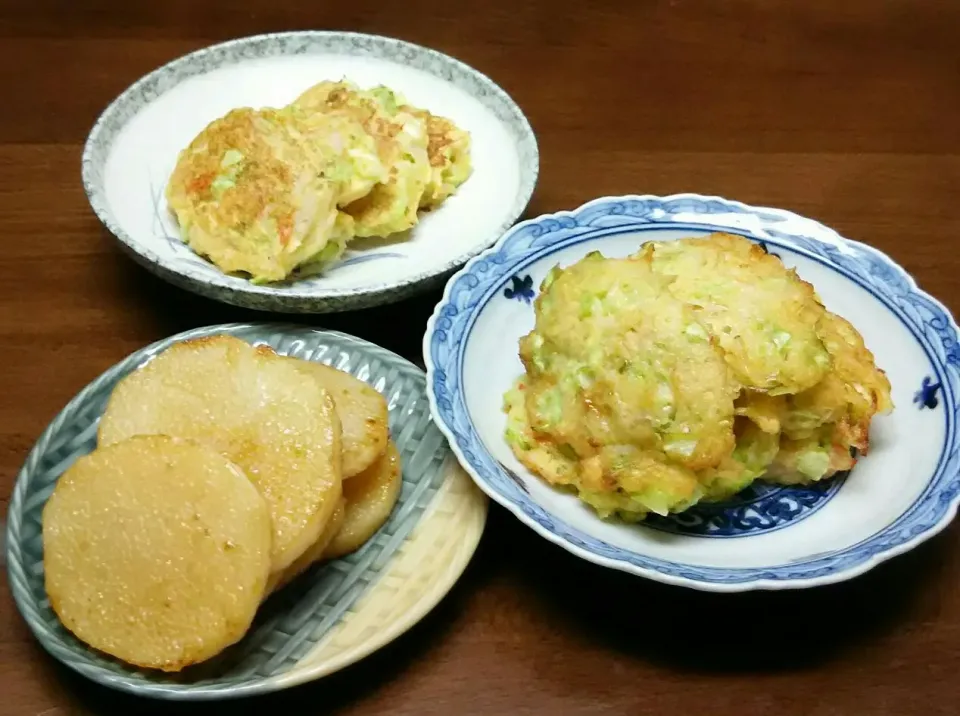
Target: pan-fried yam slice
[[253, 407], [362, 411], [312, 555], [370, 498], [156, 551]]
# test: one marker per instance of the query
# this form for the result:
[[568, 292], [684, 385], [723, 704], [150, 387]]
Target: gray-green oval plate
[[334, 614]]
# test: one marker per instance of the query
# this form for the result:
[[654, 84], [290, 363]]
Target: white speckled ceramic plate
[[133, 148], [332, 615]]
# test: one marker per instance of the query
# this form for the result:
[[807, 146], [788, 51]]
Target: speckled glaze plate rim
[[389, 606], [487, 274], [319, 300]]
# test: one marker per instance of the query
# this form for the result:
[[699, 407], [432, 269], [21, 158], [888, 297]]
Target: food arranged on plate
[[222, 471], [685, 372], [275, 194]]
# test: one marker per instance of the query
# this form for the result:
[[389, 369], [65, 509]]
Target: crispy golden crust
[[761, 314], [274, 193], [248, 197], [448, 149], [686, 372], [622, 383], [616, 351], [401, 141]]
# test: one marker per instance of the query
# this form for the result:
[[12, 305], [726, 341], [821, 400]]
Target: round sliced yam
[[370, 498], [256, 409], [312, 555], [156, 551], [363, 415]]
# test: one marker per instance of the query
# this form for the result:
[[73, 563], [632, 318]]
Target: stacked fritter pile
[[222, 471], [268, 192], [684, 373]]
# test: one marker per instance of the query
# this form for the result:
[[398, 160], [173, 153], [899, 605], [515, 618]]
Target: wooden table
[[843, 110]]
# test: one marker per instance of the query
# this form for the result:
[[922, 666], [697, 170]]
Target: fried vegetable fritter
[[819, 456], [401, 140], [448, 148], [684, 373], [272, 193], [621, 378], [760, 313], [251, 198], [827, 427]]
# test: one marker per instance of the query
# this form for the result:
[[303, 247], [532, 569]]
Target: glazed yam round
[[313, 555], [363, 415], [255, 408], [156, 551], [370, 498]]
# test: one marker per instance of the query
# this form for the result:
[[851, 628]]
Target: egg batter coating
[[342, 149], [753, 454], [684, 373], [448, 148], [624, 382], [827, 427], [248, 197], [761, 314], [401, 142]]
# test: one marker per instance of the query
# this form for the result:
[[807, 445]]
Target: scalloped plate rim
[[838, 241]]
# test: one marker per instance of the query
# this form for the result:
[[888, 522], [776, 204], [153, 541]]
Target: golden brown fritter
[[448, 148], [684, 373], [622, 380], [761, 314], [401, 142], [827, 427], [248, 197]]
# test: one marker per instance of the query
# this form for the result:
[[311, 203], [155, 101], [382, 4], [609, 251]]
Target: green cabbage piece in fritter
[[762, 315], [622, 378], [642, 483], [685, 373], [400, 139], [246, 196]]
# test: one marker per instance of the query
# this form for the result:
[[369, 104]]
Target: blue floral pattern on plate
[[491, 272], [759, 508], [520, 288], [926, 397]]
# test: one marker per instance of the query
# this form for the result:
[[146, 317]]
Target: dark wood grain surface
[[844, 110]]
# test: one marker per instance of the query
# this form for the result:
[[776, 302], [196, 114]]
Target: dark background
[[845, 110]]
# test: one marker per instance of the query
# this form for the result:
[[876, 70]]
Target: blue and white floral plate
[[133, 147], [904, 492]]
